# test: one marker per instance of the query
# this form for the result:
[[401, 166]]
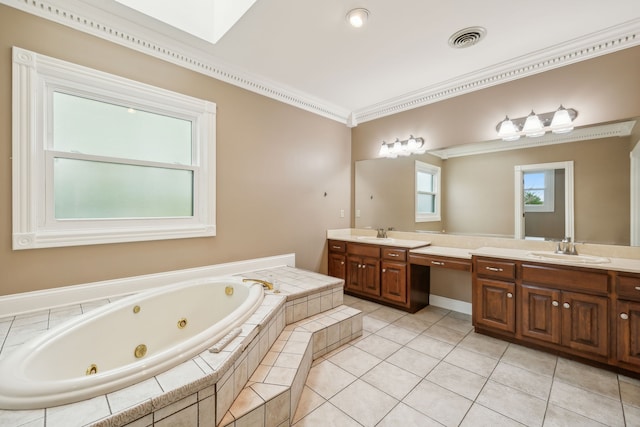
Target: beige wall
[[602, 89], [275, 162]]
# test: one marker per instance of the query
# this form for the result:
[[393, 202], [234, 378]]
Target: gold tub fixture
[[93, 369], [136, 309], [140, 351], [182, 323], [265, 284], [228, 290]]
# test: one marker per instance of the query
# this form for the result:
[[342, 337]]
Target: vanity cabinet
[[393, 275], [493, 295], [363, 269], [627, 318], [564, 309], [564, 306], [337, 259], [378, 273]]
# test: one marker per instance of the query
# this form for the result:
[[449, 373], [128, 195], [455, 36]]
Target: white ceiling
[[304, 53]]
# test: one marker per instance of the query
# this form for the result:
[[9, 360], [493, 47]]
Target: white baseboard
[[450, 304], [25, 302]]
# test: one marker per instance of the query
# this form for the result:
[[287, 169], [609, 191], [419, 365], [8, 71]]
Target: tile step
[[270, 397]]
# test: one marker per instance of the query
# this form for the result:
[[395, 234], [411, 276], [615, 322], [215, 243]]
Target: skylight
[[206, 19]]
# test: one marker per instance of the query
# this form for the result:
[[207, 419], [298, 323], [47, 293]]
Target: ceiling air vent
[[467, 37]]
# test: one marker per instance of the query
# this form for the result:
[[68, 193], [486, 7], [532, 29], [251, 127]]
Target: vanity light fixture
[[534, 125], [412, 145], [358, 17]]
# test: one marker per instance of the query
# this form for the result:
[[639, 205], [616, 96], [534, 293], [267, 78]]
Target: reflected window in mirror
[[539, 191], [428, 179]]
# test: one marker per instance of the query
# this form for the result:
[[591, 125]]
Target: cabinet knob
[[509, 295], [384, 270], [437, 263], [624, 316], [494, 269], [341, 262], [392, 254], [566, 305], [555, 303]]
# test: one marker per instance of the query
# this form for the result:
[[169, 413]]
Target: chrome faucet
[[382, 233], [567, 247], [264, 283]]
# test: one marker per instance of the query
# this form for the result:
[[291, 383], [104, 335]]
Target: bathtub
[[125, 342]]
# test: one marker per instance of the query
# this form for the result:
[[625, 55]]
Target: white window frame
[[548, 205], [35, 76], [435, 171]]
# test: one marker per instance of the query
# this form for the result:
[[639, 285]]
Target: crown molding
[[619, 129], [92, 17], [169, 45], [596, 44]]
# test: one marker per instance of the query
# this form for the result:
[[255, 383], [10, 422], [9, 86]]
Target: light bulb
[[561, 122], [358, 17], [508, 130], [384, 150], [533, 126]]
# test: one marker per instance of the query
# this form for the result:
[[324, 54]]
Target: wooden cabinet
[[628, 332], [566, 306], [337, 259], [493, 295], [363, 269], [393, 275], [378, 273], [563, 309], [495, 306], [627, 320]]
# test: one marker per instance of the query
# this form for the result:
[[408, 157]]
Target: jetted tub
[[125, 342]]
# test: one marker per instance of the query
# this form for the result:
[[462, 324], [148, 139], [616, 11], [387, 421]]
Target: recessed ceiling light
[[357, 17]]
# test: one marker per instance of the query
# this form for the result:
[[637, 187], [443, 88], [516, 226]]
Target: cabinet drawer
[[363, 250], [629, 288], [499, 269], [337, 246], [442, 262], [564, 278], [394, 254]]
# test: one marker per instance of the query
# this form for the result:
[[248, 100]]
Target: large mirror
[[477, 189]]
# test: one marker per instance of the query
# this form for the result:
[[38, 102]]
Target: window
[[102, 159], [427, 192], [539, 189]]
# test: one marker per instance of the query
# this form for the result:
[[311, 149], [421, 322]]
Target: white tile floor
[[431, 369]]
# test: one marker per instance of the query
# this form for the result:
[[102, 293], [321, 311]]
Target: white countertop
[[616, 264], [398, 243], [443, 251]]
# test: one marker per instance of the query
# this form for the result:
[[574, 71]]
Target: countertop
[[382, 241], [443, 251], [615, 264]]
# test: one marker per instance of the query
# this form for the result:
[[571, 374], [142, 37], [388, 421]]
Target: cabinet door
[[337, 265], [370, 272], [393, 280], [354, 275], [628, 338], [541, 314], [585, 325], [496, 308]]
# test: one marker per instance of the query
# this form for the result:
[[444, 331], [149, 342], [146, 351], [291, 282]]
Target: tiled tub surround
[[189, 392]]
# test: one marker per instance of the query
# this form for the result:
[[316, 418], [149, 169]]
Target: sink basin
[[375, 239], [584, 259]]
